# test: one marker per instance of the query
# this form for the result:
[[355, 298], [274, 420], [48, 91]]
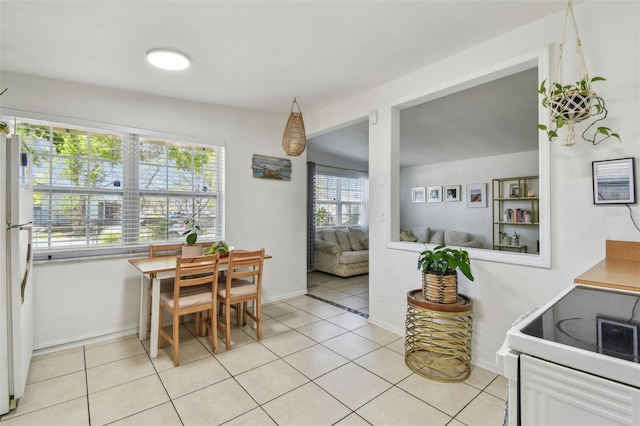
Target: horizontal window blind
[[105, 189], [340, 197]]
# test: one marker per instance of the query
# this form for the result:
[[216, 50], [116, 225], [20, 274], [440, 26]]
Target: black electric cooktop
[[593, 319]]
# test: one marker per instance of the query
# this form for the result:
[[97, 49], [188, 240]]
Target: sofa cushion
[[328, 247], [355, 235], [408, 236], [436, 237], [329, 235], [421, 233], [365, 243], [349, 257], [343, 239], [456, 238]]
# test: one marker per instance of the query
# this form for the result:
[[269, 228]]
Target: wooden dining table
[[154, 270]]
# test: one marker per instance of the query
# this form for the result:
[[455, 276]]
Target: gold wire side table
[[438, 337]]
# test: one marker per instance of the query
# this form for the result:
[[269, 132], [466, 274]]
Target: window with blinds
[[340, 198], [115, 190]]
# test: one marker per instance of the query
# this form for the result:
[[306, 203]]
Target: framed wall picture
[[614, 181], [417, 195], [452, 193], [434, 194], [265, 167], [514, 190], [477, 195]]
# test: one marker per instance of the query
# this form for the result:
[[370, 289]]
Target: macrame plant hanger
[[576, 106]]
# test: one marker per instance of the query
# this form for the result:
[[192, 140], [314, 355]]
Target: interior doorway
[[338, 199]]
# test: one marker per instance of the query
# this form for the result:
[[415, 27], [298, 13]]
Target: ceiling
[[252, 55]]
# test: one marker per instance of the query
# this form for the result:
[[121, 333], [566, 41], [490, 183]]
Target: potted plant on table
[[439, 273], [190, 249], [516, 238]]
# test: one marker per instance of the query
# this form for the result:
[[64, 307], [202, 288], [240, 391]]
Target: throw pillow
[[408, 236], [365, 243], [437, 237], [343, 239], [355, 235], [455, 238], [421, 233], [329, 235]]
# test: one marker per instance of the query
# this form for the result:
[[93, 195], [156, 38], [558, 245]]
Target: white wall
[[455, 215], [610, 38], [82, 299]]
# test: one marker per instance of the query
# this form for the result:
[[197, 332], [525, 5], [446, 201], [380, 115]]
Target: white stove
[[575, 360]]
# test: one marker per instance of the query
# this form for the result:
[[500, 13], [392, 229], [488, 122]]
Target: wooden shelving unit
[[516, 208]]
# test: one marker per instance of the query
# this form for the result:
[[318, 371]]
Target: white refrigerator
[[16, 287]]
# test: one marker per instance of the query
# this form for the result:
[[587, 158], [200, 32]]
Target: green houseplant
[[574, 103], [504, 238], [439, 273], [191, 231], [4, 127]]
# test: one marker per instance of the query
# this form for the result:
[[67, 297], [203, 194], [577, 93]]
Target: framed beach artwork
[[452, 193], [477, 195], [273, 168], [434, 194], [417, 195]]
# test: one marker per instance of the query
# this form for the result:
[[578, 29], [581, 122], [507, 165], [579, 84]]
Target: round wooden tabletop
[[463, 304]]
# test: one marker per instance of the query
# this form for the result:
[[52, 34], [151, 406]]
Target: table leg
[[155, 316], [144, 297]]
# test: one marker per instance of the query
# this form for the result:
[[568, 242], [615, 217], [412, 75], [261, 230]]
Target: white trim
[[536, 58]]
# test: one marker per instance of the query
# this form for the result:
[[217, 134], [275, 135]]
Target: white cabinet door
[[554, 395]]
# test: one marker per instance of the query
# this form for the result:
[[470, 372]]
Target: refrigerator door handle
[[28, 262]]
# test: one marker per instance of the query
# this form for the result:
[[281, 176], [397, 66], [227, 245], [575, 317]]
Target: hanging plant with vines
[[574, 103]]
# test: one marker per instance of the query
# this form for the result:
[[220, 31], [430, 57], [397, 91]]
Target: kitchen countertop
[[619, 270]]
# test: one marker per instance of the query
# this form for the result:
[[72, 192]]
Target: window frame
[[131, 137], [340, 174]]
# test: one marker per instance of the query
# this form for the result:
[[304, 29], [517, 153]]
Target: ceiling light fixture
[[167, 59]]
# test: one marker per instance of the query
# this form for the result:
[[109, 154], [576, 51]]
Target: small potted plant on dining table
[[439, 273], [190, 249]]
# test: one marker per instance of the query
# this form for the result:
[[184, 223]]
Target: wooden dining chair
[[193, 292], [161, 250], [243, 284]]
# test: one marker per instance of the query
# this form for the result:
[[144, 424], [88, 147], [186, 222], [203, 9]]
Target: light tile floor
[[315, 365], [351, 292]]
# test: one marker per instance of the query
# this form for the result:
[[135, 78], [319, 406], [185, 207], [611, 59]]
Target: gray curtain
[[311, 216]]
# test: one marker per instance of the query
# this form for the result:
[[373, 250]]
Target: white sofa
[[424, 234], [342, 251]]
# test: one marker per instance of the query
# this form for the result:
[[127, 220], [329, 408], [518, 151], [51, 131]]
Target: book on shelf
[[516, 215]]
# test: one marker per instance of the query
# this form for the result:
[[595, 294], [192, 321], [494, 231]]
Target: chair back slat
[[191, 271], [160, 250], [163, 250], [245, 264]]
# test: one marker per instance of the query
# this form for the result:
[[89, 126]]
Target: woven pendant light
[[294, 139]]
